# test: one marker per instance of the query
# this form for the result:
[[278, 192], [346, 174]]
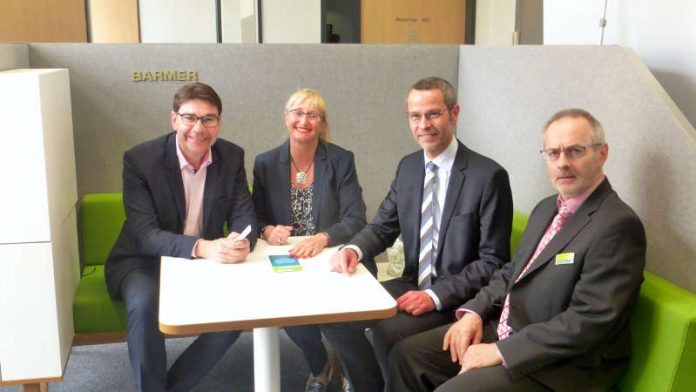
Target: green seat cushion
[[101, 219], [664, 339], [519, 222], [93, 309]]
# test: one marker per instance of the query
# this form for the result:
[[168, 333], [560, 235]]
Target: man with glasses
[[179, 190], [453, 209], [557, 317]]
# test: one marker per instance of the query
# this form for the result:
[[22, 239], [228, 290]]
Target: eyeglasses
[[190, 119], [415, 118], [311, 116], [571, 152]]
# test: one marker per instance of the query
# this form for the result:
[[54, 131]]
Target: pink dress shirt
[[194, 187]]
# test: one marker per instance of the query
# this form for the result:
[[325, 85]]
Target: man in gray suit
[[453, 209], [556, 317], [179, 191]]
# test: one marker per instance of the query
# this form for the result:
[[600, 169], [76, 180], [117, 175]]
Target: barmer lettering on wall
[[164, 76]]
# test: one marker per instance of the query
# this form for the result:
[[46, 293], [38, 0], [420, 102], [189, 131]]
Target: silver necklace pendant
[[301, 177]]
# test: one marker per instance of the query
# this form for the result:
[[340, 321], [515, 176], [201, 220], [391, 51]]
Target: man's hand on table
[[276, 235], [223, 250], [344, 261]]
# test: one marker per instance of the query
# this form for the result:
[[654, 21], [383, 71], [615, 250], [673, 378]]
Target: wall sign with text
[[165, 76], [413, 22]]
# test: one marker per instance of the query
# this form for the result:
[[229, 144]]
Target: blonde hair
[[312, 98]]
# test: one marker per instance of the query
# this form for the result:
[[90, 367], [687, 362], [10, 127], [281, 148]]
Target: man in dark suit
[[556, 317], [453, 208], [179, 190]]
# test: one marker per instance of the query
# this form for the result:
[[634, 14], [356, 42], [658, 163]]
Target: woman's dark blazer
[[337, 205]]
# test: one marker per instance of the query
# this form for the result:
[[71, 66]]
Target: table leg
[[266, 360]]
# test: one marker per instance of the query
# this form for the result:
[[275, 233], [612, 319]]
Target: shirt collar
[[446, 158], [574, 203], [183, 163]]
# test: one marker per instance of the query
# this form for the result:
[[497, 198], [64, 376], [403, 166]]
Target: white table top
[[205, 296]]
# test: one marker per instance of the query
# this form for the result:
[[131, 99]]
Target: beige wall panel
[[413, 21], [114, 21], [43, 21], [364, 86], [14, 56], [508, 92]]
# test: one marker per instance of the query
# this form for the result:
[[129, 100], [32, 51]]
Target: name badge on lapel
[[565, 258]]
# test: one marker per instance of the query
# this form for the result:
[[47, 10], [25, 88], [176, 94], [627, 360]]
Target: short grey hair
[[597, 129]]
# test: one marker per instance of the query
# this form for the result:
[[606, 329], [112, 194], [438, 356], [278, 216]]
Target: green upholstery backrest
[[664, 339], [101, 218], [519, 222]]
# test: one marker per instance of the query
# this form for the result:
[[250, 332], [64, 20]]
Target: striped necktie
[[559, 220], [428, 228]]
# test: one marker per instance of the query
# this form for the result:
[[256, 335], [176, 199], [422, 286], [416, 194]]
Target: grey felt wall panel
[[13, 56], [508, 93], [364, 86]]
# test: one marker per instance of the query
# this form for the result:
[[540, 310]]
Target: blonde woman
[[308, 186]]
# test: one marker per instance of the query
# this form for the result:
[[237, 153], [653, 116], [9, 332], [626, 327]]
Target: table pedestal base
[[266, 360]]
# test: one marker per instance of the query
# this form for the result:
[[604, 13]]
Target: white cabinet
[[39, 261]]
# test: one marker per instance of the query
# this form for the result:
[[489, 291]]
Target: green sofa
[[663, 331], [519, 222], [664, 325], [101, 218], [664, 339]]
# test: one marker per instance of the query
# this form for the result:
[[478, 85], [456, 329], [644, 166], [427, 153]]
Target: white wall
[[248, 18], [238, 21], [662, 33], [297, 21], [495, 22], [231, 24], [177, 21]]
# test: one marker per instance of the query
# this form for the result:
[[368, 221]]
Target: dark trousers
[[308, 339], [388, 332], [140, 292], [366, 364], [351, 345], [355, 351], [419, 364]]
